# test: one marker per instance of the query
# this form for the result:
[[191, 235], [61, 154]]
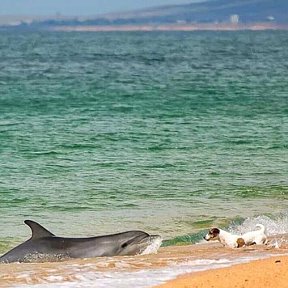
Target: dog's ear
[[214, 231], [240, 242]]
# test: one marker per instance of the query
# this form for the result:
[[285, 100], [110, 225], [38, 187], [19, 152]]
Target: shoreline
[[172, 264], [271, 272], [173, 27]]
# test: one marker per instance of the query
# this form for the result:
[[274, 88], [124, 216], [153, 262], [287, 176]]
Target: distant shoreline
[[174, 27]]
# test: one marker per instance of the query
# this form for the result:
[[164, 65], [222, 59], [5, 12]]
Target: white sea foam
[[274, 226], [153, 247]]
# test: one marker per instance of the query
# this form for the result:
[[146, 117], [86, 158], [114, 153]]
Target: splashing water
[[274, 225], [153, 247]]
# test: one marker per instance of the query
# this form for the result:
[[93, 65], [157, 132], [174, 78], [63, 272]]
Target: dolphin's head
[[138, 242]]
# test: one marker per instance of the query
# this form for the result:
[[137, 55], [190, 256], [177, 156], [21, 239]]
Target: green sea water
[[166, 132]]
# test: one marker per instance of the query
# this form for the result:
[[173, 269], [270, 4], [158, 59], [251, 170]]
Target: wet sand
[[158, 268], [270, 272]]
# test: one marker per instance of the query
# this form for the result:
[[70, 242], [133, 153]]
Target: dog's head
[[213, 234]]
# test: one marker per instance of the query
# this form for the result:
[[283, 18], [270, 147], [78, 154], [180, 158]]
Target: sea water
[[167, 132]]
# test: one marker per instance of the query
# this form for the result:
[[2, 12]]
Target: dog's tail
[[262, 227]]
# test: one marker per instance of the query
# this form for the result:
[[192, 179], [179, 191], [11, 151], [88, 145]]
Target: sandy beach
[[270, 272]]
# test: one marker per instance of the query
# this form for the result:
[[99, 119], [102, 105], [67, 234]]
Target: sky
[[78, 7]]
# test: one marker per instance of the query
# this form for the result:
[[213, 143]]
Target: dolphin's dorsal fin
[[38, 231]]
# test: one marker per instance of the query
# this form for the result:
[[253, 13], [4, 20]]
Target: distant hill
[[211, 11]]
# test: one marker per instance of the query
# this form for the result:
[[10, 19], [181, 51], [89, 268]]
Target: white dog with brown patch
[[235, 241], [225, 238]]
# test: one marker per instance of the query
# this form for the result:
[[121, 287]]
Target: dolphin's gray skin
[[44, 246]]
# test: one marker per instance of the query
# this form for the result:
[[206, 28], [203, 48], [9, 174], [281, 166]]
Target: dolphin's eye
[[124, 245]]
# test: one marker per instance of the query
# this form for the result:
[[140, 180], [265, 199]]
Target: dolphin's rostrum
[[43, 246]]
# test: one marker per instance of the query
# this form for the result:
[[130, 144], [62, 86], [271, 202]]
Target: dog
[[225, 238], [257, 237]]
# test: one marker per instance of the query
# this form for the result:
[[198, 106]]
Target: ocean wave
[[275, 224]]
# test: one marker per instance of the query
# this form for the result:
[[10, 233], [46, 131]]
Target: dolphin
[[43, 246]]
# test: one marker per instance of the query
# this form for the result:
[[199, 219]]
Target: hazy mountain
[[211, 11]]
